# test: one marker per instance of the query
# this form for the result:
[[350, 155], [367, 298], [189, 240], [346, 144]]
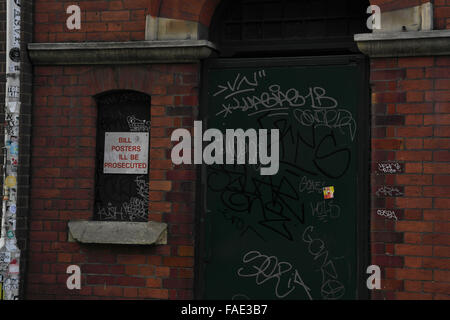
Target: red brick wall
[[411, 125], [108, 20], [389, 5], [113, 20], [64, 140], [442, 14]]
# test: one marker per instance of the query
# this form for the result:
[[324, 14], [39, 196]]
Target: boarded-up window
[[122, 168]]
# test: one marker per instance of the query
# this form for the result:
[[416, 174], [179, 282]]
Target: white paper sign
[[126, 153]]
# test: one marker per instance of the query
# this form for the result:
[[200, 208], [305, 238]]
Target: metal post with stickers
[[9, 251]]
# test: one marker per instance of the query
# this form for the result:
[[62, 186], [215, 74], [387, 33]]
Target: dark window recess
[[275, 27], [121, 197]]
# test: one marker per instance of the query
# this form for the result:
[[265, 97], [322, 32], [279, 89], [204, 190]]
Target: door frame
[[363, 158]]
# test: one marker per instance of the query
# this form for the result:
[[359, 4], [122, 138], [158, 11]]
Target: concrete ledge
[[135, 52], [404, 44], [108, 232]]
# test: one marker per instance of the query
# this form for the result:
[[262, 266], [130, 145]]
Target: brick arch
[[105, 79], [390, 5], [203, 10], [195, 10], [208, 11]]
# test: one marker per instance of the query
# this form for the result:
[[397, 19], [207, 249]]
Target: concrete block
[[158, 28], [427, 17], [395, 21], [418, 18]]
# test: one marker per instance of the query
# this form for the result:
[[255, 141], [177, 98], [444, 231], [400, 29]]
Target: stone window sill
[[109, 232]]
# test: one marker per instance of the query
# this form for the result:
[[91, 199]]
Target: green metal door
[[279, 236]]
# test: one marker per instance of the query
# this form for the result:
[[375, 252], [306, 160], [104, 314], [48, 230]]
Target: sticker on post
[[14, 148], [5, 257], [14, 54], [10, 245], [13, 106], [12, 208], [10, 181], [14, 267], [13, 91], [328, 193]]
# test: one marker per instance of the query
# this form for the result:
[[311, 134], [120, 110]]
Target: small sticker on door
[[328, 192]]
